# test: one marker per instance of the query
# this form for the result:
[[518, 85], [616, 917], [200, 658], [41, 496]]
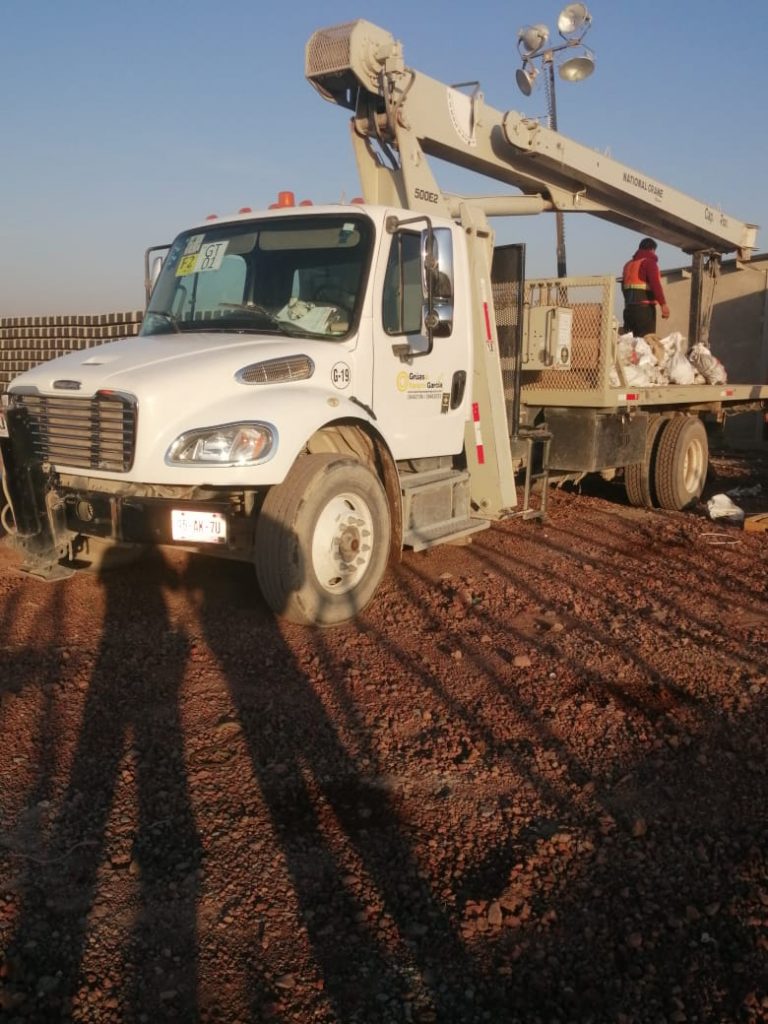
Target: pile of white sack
[[652, 361]]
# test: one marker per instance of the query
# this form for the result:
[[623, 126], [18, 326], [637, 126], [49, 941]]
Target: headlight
[[230, 444]]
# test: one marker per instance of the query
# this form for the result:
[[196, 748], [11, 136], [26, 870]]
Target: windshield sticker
[[419, 385], [308, 316], [194, 244], [340, 376], [210, 257]]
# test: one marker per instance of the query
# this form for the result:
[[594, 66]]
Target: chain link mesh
[[591, 303]]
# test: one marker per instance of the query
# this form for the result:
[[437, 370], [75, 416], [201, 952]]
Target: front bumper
[[136, 520], [50, 513]]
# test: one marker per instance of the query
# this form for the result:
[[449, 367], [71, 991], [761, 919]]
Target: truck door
[[420, 389]]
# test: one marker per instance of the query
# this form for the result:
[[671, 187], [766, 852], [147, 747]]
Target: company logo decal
[[419, 385]]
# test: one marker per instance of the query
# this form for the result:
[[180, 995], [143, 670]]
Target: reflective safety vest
[[634, 284]]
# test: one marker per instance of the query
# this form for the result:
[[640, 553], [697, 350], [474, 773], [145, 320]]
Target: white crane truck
[[317, 387]]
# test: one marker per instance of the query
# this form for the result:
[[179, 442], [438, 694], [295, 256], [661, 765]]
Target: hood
[[148, 365]]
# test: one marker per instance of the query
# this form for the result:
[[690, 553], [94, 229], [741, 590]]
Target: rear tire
[[639, 478], [682, 459], [322, 540]]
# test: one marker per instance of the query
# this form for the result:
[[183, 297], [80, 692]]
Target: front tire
[[682, 459], [322, 540]]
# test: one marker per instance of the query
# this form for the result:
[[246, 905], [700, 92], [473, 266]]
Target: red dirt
[[529, 784]]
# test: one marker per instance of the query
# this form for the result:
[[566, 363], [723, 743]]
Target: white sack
[[674, 343], [720, 506], [709, 366], [680, 370], [639, 365]]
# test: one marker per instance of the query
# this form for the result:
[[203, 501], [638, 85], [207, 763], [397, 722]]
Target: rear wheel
[[682, 458], [639, 479], [322, 540]]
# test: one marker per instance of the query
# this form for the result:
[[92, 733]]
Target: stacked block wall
[[26, 341]]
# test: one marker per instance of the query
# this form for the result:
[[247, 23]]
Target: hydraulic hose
[[6, 515]]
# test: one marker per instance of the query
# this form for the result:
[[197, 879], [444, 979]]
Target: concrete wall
[[738, 331]]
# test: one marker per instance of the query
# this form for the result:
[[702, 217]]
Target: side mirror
[[157, 266], [437, 281], [151, 276]]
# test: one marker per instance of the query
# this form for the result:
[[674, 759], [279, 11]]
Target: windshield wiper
[[256, 312]]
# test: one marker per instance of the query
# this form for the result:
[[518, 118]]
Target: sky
[[125, 121]]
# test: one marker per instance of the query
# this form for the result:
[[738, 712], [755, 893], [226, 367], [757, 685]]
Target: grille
[[89, 433], [328, 50], [277, 371], [342, 58]]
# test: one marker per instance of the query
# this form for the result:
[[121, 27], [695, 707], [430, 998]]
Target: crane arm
[[401, 117]]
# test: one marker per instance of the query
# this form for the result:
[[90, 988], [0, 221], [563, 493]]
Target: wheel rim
[[694, 467], [342, 544]]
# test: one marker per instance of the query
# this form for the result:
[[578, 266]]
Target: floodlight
[[531, 39], [575, 69], [573, 18], [525, 78]]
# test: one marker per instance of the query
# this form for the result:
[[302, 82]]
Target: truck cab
[[334, 337]]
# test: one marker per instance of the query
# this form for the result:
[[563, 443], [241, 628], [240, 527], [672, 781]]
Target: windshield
[[295, 275]]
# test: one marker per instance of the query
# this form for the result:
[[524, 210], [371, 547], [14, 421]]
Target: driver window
[[402, 299]]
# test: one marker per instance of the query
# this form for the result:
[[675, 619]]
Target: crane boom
[[401, 117]]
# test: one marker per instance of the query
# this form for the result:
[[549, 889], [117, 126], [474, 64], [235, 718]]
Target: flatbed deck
[[695, 396]]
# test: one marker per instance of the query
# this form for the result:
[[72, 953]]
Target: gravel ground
[[528, 785]]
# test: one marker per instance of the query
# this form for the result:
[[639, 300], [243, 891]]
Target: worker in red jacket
[[642, 290]]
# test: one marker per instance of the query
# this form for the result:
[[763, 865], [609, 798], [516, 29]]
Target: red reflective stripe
[[479, 450], [488, 335]]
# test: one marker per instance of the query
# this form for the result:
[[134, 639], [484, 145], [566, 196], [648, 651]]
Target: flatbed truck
[[317, 387]]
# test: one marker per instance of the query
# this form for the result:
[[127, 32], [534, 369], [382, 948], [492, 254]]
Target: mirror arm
[[405, 353]]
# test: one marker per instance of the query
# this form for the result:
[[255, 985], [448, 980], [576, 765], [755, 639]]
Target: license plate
[[3, 424], [200, 527]]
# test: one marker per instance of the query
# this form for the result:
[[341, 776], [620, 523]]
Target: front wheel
[[322, 540]]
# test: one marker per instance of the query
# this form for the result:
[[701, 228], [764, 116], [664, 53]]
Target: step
[[436, 508], [441, 533]]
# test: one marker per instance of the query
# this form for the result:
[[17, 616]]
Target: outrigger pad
[[49, 573], [40, 559]]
